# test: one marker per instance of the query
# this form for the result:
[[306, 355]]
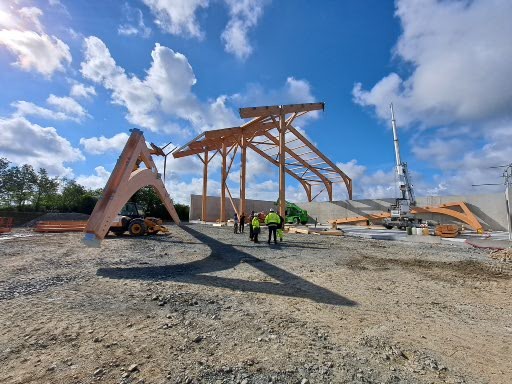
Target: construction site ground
[[204, 305]]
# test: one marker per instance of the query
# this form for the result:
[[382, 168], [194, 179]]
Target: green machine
[[295, 214]]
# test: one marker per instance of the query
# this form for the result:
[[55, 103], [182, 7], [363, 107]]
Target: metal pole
[[395, 140], [508, 181]]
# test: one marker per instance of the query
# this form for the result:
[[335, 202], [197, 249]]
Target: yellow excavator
[[133, 219]]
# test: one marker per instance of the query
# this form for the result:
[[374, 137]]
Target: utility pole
[[507, 174]]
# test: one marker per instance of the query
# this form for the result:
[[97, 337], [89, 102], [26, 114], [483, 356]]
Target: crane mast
[[401, 167], [400, 211]]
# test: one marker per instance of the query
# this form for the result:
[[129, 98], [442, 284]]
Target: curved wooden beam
[[125, 180], [465, 216], [347, 180]]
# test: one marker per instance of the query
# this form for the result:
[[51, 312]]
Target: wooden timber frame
[[126, 179], [465, 216], [270, 134]]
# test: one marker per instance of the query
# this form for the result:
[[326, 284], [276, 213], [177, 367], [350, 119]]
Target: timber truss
[[271, 134]]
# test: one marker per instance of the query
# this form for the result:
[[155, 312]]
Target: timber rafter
[[271, 134]]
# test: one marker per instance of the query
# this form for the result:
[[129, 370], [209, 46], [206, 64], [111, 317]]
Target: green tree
[[45, 191], [4, 166], [150, 202], [19, 185], [71, 196]]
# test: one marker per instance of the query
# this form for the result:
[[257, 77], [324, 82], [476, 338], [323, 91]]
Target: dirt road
[[203, 305]]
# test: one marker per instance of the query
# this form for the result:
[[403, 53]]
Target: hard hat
[[271, 210]]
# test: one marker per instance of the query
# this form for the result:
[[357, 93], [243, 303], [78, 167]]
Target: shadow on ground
[[225, 256]]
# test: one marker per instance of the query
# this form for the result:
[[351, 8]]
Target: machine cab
[[131, 210]]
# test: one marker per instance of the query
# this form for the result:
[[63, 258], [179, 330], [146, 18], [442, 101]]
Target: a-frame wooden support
[[126, 179]]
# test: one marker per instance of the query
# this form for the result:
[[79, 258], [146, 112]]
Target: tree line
[[24, 189]]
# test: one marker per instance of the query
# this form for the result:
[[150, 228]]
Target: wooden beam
[[282, 154], [223, 185], [292, 174], [279, 109], [232, 158], [232, 202], [243, 174], [123, 182], [205, 187], [303, 163], [346, 179]]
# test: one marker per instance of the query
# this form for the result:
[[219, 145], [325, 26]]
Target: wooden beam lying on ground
[[60, 226]]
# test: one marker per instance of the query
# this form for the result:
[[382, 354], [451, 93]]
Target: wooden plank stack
[[447, 230], [60, 226], [311, 231]]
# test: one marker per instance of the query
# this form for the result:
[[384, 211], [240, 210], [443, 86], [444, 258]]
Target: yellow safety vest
[[272, 218], [255, 222]]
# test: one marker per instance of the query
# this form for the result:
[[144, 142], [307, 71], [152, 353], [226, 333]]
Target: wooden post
[[242, 175], [205, 188], [223, 184], [282, 155]]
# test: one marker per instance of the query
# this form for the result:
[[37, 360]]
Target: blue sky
[[78, 75]]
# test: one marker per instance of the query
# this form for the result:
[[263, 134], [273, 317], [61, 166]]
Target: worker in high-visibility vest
[[273, 222], [255, 224], [280, 230]]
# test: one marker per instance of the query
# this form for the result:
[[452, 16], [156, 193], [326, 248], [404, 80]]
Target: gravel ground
[[203, 305]]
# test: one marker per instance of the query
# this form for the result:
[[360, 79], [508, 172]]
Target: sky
[[76, 76]]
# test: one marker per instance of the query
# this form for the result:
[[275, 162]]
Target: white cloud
[[352, 169], [26, 108], [39, 52], [32, 14], [461, 55], [80, 90], [96, 181], [294, 91], [164, 94], [102, 144], [22, 33], [67, 105], [135, 23], [244, 16], [25, 143], [177, 17], [65, 108]]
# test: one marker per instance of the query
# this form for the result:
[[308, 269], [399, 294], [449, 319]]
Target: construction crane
[[401, 216]]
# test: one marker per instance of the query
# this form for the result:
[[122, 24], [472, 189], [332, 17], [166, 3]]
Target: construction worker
[[235, 219], [242, 222], [272, 221], [280, 230], [251, 233], [255, 225]]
